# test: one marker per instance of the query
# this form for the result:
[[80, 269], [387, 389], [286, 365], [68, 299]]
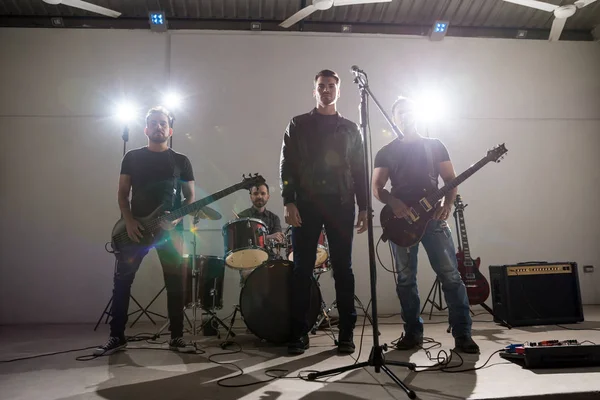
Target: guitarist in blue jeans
[[156, 176], [413, 164]]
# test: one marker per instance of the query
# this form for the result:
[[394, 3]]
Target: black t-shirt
[[408, 166], [155, 180]]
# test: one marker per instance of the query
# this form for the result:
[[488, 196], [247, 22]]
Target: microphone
[[356, 70]]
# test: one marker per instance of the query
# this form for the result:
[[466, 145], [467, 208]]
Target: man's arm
[[276, 224], [188, 191], [123, 196], [447, 173], [288, 164], [357, 165], [380, 178]]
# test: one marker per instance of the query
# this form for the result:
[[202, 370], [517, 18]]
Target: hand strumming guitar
[[443, 212], [134, 229], [400, 209], [168, 225]]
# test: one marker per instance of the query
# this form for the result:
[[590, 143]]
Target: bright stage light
[[172, 101], [126, 112], [430, 106]]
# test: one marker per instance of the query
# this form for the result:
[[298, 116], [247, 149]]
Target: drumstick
[[237, 216]]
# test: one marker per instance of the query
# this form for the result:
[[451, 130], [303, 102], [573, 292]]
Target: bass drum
[[265, 304]]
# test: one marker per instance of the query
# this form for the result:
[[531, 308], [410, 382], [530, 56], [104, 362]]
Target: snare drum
[[245, 243], [322, 263], [265, 301]]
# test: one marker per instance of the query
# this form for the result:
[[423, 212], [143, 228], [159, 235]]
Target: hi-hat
[[207, 213]]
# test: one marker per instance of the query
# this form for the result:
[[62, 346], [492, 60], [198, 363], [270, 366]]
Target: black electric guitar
[[478, 288], [407, 231], [151, 223]]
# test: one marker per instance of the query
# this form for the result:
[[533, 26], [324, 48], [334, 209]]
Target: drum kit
[[266, 269]]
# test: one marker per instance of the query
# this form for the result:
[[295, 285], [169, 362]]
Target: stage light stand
[[376, 358]]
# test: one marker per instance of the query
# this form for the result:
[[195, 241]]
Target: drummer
[[259, 196]]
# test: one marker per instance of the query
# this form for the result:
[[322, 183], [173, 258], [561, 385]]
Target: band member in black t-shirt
[[414, 163], [155, 175], [322, 173]]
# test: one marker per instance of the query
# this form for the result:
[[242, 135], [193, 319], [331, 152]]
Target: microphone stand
[[376, 358]]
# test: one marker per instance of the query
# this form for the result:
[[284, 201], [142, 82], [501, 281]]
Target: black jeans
[[168, 246], [338, 220]]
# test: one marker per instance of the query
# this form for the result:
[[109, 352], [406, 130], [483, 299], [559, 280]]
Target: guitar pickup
[[413, 216], [425, 204]]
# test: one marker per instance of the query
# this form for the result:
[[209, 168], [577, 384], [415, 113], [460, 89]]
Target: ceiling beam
[[309, 26]]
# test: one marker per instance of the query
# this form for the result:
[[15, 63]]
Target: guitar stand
[[141, 310], [436, 290], [150, 312]]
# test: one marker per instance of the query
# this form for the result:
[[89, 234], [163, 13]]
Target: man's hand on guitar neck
[[134, 229], [168, 225]]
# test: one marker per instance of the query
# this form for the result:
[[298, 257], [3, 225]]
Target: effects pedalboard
[[553, 354]]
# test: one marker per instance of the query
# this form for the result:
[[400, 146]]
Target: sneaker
[[113, 345], [298, 346], [180, 345], [466, 345], [408, 342], [346, 343]]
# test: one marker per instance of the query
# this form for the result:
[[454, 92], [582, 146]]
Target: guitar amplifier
[[536, 293]]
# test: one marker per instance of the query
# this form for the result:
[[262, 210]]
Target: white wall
[[63, 150]]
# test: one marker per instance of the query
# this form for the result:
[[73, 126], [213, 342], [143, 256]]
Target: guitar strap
[[175, 178], [430, 164]]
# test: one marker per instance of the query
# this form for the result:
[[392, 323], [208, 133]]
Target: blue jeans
[[439, 246]]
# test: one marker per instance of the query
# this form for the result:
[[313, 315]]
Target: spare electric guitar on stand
[[478, 288]]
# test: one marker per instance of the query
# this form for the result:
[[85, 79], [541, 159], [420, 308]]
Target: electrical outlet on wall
[[588, 268]]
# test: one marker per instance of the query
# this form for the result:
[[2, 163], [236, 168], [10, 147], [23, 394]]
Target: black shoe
[[408, 342], [113, 345], [466, 345], [180, 345], [345, 343], [298, 346]]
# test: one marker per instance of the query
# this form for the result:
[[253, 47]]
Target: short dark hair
[[257, 186], [160, 110], [327, 73], [399, 101]]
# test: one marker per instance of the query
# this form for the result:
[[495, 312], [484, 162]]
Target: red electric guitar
[[478, 288]]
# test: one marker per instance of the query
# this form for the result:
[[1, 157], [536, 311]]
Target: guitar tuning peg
[[244, 176]]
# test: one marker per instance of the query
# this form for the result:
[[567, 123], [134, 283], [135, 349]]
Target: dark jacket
[[298, 176]]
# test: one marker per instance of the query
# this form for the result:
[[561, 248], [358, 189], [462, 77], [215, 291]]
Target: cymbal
[[207, 213]]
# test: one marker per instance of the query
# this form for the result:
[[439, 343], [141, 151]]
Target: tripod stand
[[376, 358], [141, 310]]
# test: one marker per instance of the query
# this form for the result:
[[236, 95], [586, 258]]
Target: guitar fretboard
[[463, 235], [438, 194]]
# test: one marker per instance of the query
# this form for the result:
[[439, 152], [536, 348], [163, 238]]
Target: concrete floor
[[149, 371]]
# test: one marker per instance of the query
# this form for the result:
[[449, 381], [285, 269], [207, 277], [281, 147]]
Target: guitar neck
[[463, 235], [197, 205], [440, 193]]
